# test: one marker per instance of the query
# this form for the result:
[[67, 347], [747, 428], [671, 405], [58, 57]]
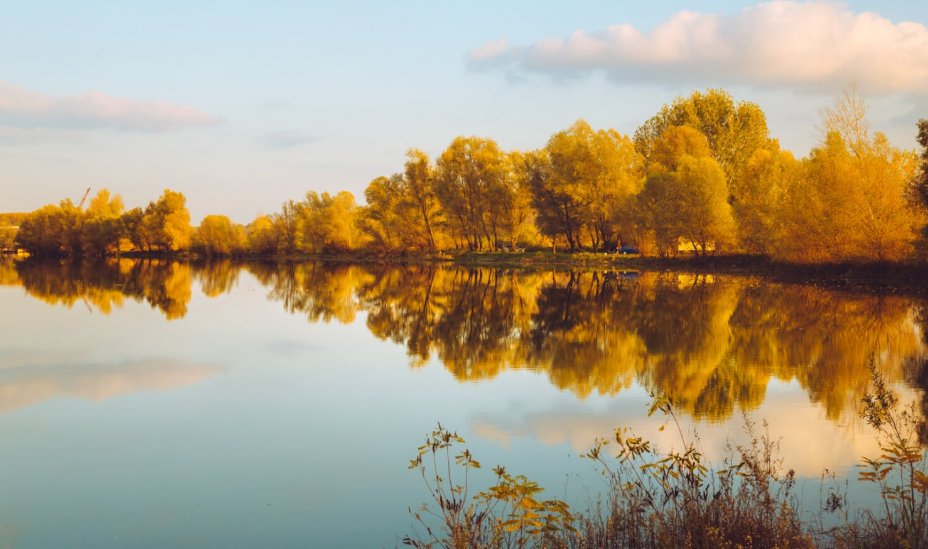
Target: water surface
[[166, 404]]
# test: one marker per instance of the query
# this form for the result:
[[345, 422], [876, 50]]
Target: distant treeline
[[702, 175]]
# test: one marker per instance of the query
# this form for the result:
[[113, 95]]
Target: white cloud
[[92, 109], [807, 45], [493, 54]]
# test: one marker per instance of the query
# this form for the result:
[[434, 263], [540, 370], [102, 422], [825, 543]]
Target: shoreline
[[894, 276]]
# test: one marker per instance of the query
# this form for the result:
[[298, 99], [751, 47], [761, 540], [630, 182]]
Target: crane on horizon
[[81, 205]]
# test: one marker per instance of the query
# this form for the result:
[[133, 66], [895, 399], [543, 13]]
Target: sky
[[243, 105]]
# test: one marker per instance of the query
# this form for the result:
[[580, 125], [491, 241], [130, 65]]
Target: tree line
[[703, 175]]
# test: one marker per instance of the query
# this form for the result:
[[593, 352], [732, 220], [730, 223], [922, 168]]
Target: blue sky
[[242, 105]]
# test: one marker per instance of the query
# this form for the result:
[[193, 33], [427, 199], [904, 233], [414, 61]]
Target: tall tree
[[589, 179], [103, 226], [850, 205], [686, 195], [260, 236], [379, 219], [470, 173], [418, 187], [766, 176], [287, 225], [218, 236], [704, 212], [847, 117], [329, 222], [519, 215], [733, 131], [166, 223]]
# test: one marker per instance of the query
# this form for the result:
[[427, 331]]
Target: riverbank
[[885, 276], [892, 276]]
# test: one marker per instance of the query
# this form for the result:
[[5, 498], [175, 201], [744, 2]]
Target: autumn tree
[[51, 230], [135, 230], [656, 208], [847, 117], [852, 201], [328, 222], [7, 237], [163, 225], [733, 132], [419, 198], [403, 211], [218, 236], [686, 195], [918, 190], [470, 185], [379, 219], [519, 215], [287, 225], [41, 232], [342, 231], [706, 219], [102, 228], [765, 178], [260, 236], [618, 177], [585, 189]]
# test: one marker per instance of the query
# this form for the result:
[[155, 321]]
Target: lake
[[165, 404]]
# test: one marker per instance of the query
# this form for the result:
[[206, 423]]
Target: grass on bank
[[674, 499]]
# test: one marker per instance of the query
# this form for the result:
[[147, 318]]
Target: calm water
[[157, 404]]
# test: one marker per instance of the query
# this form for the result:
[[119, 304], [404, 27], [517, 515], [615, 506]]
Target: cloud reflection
[[836, 447], [28, 385]]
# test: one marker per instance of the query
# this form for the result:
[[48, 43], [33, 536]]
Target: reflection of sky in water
[[241, 425]]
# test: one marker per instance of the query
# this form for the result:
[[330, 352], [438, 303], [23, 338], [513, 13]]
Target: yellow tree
[[418, 196], [656, 208], [102, 228], [561, 189], [164, 224], [260, 236], [705, 214], [520, 217], [853, 201], [686, 194], [40, 232], [329, 222], [758, 193], [287, 225], [619, 176], [470, 174], [817, 212], [379, 219], [218, 236], [888, 221], [733, 131]]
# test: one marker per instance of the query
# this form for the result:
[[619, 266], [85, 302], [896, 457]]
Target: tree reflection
[[216, 277], [711, 344], [319, 291], [104, 285], [8, 276]]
